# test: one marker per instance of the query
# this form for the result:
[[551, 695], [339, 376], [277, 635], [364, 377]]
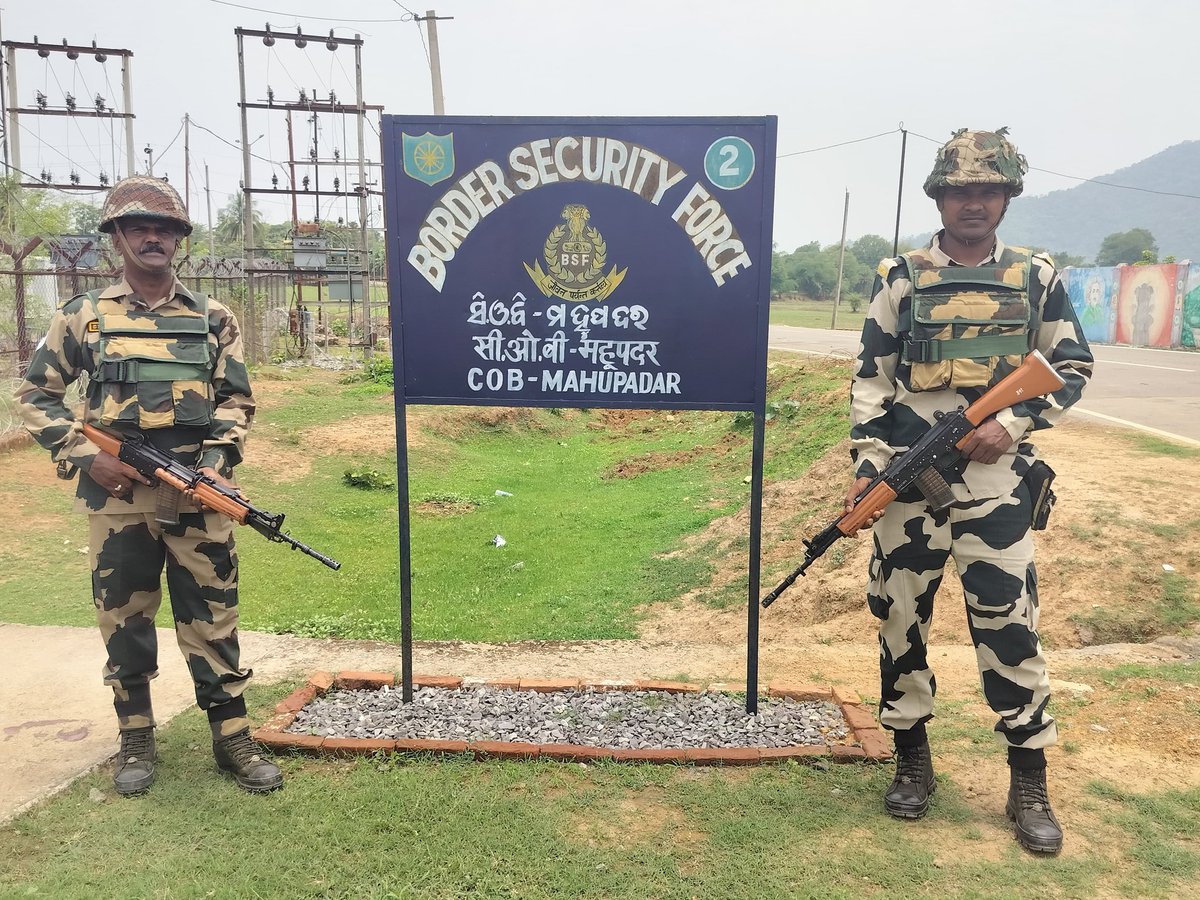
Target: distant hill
[[1078, 219]]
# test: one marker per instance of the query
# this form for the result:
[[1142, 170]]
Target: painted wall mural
[[1141, 306], [1146, 306], [1093, 294], [1189, 333]]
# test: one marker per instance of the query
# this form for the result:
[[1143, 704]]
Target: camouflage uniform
[[894, 399], [110, 337]]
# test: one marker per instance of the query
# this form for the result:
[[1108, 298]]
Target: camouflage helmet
[[977, 157], [140, 195]]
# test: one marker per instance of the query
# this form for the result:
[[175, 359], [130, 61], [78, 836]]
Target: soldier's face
[[152, 241], [971, 213]]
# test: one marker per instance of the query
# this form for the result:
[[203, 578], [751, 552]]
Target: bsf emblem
[[428, 158], [575, 255]]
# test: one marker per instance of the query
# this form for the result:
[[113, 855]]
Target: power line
[[41, 143], [841, 144], [15, 194], [232, 144], [1124, 187], [416, 19], [274, 12], [163, 152]]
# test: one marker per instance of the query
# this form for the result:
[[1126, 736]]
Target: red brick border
[[868, 744]]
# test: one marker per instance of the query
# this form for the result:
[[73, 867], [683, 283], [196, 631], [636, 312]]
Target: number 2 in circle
[[729, 162]]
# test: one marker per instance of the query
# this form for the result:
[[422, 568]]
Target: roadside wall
[[1139, 306]]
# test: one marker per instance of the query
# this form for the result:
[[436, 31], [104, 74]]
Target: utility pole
[[308, 179], [292, 172], [127, 95], [149, 151], [362, 201], [212, 250], [837, 294], [187, 179], [247, 212], [435, 60], [3, 105], [10, 105], [900, 189]]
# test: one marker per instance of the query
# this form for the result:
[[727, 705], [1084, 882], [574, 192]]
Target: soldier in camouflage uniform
[[165, 363], [946, 322]]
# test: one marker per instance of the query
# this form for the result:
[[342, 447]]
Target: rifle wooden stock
[[1033, 378]]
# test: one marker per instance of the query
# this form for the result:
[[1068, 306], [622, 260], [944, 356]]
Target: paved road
[[1157, 391]]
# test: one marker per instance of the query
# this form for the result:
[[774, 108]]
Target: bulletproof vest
[[155, 367], [967, 326]]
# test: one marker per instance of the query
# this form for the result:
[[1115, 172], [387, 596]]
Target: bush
[[379, 370], [369, 480]]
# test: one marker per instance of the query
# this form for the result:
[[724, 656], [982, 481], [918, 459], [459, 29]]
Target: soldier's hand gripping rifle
[[134, 451], [938, 448]]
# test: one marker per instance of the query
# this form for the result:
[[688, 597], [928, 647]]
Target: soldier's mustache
[[152, 248]]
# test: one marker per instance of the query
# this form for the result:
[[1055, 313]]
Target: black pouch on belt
[[1038, 478]]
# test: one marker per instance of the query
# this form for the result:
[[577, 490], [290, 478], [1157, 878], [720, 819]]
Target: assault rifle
[[938, 448], [134, 451]]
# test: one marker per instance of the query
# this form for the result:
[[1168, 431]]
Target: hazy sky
[[1085, 87]]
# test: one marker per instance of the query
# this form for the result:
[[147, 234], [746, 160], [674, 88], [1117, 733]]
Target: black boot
[[241, 756], [133, 770], [914, 784], [1029, 810]]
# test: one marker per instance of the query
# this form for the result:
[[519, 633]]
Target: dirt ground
[[1123, 514]]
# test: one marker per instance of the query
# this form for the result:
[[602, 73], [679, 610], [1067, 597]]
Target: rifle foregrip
[[865, 507]]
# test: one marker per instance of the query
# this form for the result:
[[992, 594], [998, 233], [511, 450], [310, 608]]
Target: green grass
[[584, 550], [1184, 673], [1160, 447], [1162, 830], [1147, 613], [817, 314], [450, 828]]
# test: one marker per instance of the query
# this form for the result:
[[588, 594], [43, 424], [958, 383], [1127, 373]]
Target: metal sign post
[[580, 262]]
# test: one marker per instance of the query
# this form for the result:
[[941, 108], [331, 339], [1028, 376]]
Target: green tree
[[813, 270], [1062, 258], [26, 212], [230, 226], [1126, 247], [782, 281], [85, 217], [870, 249]]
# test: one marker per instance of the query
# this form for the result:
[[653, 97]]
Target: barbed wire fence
[[29, 295]]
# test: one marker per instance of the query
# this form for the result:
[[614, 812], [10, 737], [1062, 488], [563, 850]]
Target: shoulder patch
[[885, 266]]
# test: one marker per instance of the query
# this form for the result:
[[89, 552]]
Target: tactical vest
[[154, 368], [967, 326]]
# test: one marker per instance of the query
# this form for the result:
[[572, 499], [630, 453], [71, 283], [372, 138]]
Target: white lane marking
[[1117, 362], [1191, 353], [1126, 423], [832, 351]]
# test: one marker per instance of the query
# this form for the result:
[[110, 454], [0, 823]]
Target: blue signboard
[[595, 262]]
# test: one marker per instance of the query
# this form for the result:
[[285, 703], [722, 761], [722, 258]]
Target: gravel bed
[[635, 720]]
